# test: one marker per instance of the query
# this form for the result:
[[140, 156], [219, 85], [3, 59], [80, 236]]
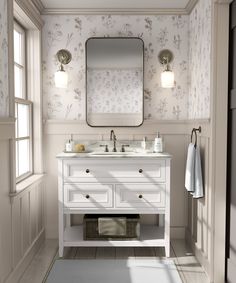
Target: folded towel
[[115, 226], [198, 185], [193, 173], [189, 173]]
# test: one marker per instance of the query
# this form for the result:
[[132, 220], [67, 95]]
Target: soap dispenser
[[143, 143], [70, 145], [158, 143]]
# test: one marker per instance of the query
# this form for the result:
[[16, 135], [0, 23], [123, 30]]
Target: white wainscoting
[[189, 218], [21, 214], [175, 134], [199, 232], [27, 218]]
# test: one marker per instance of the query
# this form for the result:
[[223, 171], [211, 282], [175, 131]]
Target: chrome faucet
[[113, 138]]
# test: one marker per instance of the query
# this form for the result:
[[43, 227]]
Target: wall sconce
[[167, 76], [61, 77]]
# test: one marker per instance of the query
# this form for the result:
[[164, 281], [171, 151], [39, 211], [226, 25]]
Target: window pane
[[18, 47], [17, 169], [18, 73], [16, 116], [24, 162], [23, 120]]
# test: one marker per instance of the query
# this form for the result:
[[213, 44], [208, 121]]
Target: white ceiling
[[115, 4]]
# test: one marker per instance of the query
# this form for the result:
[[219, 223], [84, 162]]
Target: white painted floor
[[188, 267]]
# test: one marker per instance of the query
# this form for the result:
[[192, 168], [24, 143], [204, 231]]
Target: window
[[23, 107]]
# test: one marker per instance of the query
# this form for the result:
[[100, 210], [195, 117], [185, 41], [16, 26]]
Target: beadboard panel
[[187, 214], [5, 211], [199, 229], [21, 217], [27, 226]]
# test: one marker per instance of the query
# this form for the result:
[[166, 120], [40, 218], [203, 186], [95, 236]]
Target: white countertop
[[116, 155]]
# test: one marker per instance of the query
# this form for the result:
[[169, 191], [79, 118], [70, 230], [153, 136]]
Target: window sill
[[26, 183]]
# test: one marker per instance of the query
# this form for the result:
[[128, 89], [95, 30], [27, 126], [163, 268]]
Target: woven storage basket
[[104, 227]]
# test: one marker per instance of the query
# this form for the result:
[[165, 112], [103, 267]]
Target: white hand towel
[[189, 173], [198, 184]]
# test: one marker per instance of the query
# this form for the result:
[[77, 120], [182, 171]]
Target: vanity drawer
[[74, 170], [88, 195], [140, 195]]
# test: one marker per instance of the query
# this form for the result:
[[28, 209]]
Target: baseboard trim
[[177, 232], [26, 259]]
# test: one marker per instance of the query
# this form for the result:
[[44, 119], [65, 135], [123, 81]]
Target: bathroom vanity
[[114, 183]]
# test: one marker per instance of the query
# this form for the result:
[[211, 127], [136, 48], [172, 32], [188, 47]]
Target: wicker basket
[[111, 227]]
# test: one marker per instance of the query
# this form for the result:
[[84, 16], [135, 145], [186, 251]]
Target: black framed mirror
[[114, 81]]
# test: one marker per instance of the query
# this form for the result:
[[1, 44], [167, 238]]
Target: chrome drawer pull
[[140, 170], [140, 196], [87, 171], [87, 196]]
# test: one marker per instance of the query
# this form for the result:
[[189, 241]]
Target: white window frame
[[24, 101], [21, 30]]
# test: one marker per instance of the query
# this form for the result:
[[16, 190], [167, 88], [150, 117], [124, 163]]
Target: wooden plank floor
[[189, 269]]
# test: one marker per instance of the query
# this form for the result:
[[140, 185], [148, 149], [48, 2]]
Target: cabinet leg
[[161, 220], [167, 250]]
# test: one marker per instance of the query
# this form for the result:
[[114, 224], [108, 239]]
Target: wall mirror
[[114, 82]]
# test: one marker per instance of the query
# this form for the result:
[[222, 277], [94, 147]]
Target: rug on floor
[[113, 271]]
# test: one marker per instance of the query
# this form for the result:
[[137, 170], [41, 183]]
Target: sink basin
[[111, 153]]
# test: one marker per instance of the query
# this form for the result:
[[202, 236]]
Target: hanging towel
[[190, 173], [198, 184]]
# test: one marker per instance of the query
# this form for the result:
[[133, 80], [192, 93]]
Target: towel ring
[[194, 130], [195, 133]]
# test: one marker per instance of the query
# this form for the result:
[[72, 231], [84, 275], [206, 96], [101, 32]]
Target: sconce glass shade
[[167, 76], [61, 79], [167, 79]]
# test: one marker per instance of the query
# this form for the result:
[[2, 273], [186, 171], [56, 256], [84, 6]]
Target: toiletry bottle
[[143, 143], [158, 144], [70, 145]]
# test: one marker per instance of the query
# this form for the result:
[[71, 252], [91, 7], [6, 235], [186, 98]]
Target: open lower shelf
[[150, 235]]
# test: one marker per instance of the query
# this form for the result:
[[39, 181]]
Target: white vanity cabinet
[[137, 184]]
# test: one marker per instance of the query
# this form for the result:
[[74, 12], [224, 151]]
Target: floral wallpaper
[[115, 90], [200, 60], [157, 31], [4, 97]]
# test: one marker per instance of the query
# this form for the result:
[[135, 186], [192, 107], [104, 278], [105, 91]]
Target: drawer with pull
[[131, 195], [88, 195], [99, 169]]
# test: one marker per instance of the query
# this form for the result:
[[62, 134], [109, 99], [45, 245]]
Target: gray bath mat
[[114, 271]]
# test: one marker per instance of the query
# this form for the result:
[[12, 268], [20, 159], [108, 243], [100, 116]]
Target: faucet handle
[[123, 147], [106, 147]]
